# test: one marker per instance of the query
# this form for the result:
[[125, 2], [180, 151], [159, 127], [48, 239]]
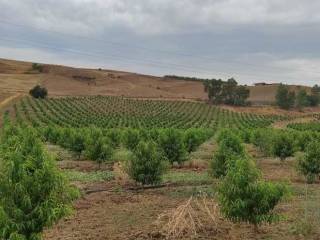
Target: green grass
[[122, 155], [188, 191], [98, 176], [187, 177], [309, 221]]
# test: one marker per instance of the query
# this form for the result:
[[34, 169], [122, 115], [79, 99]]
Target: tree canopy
[[38, 92], [285, 99], [226, 92]]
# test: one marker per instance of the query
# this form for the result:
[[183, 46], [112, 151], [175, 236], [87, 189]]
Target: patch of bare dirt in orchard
[[132, 215], [113, 211], [83, 165], [284, 124], [107, 215], [275, 170]]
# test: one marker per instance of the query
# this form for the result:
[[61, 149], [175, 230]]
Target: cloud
[[159, 16], [252, 40], [299, 68]]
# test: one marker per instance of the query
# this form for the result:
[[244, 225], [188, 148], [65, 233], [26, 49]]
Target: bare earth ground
[[120, 213]]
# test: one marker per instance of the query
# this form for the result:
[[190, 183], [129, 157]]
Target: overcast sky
[[250, 40]]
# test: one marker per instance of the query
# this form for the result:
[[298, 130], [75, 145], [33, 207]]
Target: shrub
[[33, 193], [193, 138], [309, 164], [246, 135], [283, 145], [78, 140], [51, 134], [37, 67], [230, 147], [100, 151], [132, 138], [243, 197], [115, 136], [171, 142], [38, 92], [303, 139], [263, 138], [65, 138], [147, 164]]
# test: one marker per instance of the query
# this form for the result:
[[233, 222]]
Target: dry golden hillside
[[18, 77]]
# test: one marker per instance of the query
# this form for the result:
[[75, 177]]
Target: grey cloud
[[161, 16], [253, 40]]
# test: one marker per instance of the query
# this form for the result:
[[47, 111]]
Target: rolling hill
[[18, 77]]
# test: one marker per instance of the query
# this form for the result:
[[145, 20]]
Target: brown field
[[18, 77]]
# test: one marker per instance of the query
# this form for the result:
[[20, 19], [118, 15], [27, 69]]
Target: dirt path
[[6, 101], [284, 124], [6, 104]]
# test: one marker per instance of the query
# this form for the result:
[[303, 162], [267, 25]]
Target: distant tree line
[[184, 78], [226, 92], [287, 99], [37, 67]]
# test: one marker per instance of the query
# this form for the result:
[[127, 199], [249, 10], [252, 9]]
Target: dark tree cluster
[[37, 67], [184, 78], [226, 92], [287, 99], [38, 92]]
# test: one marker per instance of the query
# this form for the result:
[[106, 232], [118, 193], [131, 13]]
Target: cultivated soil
[[114, 210]]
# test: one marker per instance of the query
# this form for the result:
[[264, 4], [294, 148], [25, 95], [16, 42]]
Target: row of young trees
[[151, 151], [226, 92], [98, 144], [242, 194], [287, 99], [287, 143], [33, 193], [117, 112]]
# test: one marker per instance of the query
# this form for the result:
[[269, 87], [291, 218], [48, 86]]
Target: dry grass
[[16, 77], [189, 218]]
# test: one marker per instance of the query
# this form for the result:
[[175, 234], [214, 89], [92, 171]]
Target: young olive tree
[[33, 193], [243, 197]]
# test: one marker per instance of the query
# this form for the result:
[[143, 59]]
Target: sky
[[250, 40]]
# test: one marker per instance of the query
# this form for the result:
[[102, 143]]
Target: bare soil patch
[[120, 213]]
